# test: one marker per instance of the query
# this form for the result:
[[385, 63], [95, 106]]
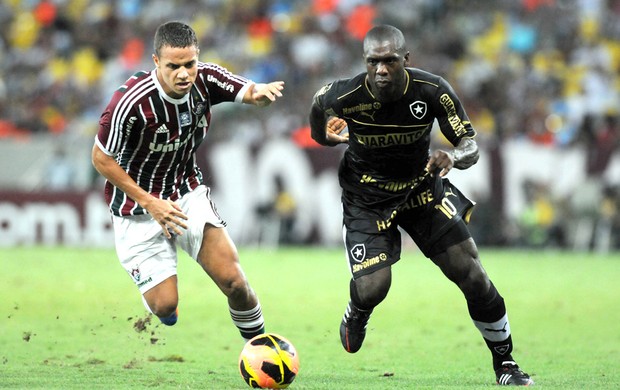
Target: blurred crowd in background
[[543, 70]]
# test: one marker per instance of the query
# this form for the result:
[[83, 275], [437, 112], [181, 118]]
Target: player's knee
[[163, 307], [475, 284], [235, 288], [165, 310], [369, 290], [371, 298]]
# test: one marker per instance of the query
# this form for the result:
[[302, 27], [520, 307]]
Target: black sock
[[489, 315]]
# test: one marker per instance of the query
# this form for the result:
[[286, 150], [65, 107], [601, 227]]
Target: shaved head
[[385, 33]]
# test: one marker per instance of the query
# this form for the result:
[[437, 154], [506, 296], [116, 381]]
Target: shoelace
[[358, 319]]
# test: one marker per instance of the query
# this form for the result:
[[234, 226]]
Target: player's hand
[[169, 216], [265, 94], [441, 161], [334, 130]]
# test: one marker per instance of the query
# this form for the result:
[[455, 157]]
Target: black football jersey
[[389, 142]]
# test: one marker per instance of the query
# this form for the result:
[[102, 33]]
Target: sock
[[249, 322], [171, 319], [489, 315], [350, 308]]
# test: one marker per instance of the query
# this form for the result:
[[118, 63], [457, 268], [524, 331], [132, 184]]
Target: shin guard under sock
[[489, 315]]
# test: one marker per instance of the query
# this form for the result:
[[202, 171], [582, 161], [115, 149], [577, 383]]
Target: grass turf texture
[[71, 318]]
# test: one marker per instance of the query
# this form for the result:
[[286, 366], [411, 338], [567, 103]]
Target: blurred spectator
[[541, 221], [608, 224], [595, 203], [277, 218], [601, 136], [60, 172]]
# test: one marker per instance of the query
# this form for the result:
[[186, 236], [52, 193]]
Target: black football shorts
[[434, 214]]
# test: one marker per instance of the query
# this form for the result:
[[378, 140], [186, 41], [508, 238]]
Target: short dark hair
[[174, 34], [385, 32]]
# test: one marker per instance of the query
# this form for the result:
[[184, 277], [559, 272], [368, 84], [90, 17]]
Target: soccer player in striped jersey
[[145, 148], [390, 180]]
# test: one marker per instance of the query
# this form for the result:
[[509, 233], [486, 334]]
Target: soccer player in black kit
[[390, 179]]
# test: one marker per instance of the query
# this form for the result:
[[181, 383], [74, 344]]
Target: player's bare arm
[[464, 155], [166, 212], [263, 94], [326, 130]]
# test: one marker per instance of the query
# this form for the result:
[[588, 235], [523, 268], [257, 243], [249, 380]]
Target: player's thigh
[[144, 252], [369, 245], [218, 256], [440, 223], [201, 211]]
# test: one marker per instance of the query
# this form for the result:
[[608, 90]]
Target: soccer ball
[[268, 361]]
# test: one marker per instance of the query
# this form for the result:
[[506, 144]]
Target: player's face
[[176, 69], [386, 70]]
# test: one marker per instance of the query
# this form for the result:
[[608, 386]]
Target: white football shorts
[[145, 252]]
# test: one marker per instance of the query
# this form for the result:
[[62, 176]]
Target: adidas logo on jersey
[[162, 129]]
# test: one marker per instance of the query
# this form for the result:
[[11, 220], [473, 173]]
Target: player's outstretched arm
[[263, 94]]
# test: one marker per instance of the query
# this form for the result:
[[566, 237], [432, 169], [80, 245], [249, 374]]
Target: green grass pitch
[[68, 321]]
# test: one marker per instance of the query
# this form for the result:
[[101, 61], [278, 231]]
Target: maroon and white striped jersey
[[154, 137]]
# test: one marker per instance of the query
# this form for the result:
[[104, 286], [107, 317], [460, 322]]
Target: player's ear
[[407, 59], [156, 60]]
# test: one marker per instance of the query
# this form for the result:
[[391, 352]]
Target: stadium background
[[540, 80]]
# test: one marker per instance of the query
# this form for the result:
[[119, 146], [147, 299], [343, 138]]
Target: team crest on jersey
[[135, 274], [185, 119], [358, 252], [418, 109]]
